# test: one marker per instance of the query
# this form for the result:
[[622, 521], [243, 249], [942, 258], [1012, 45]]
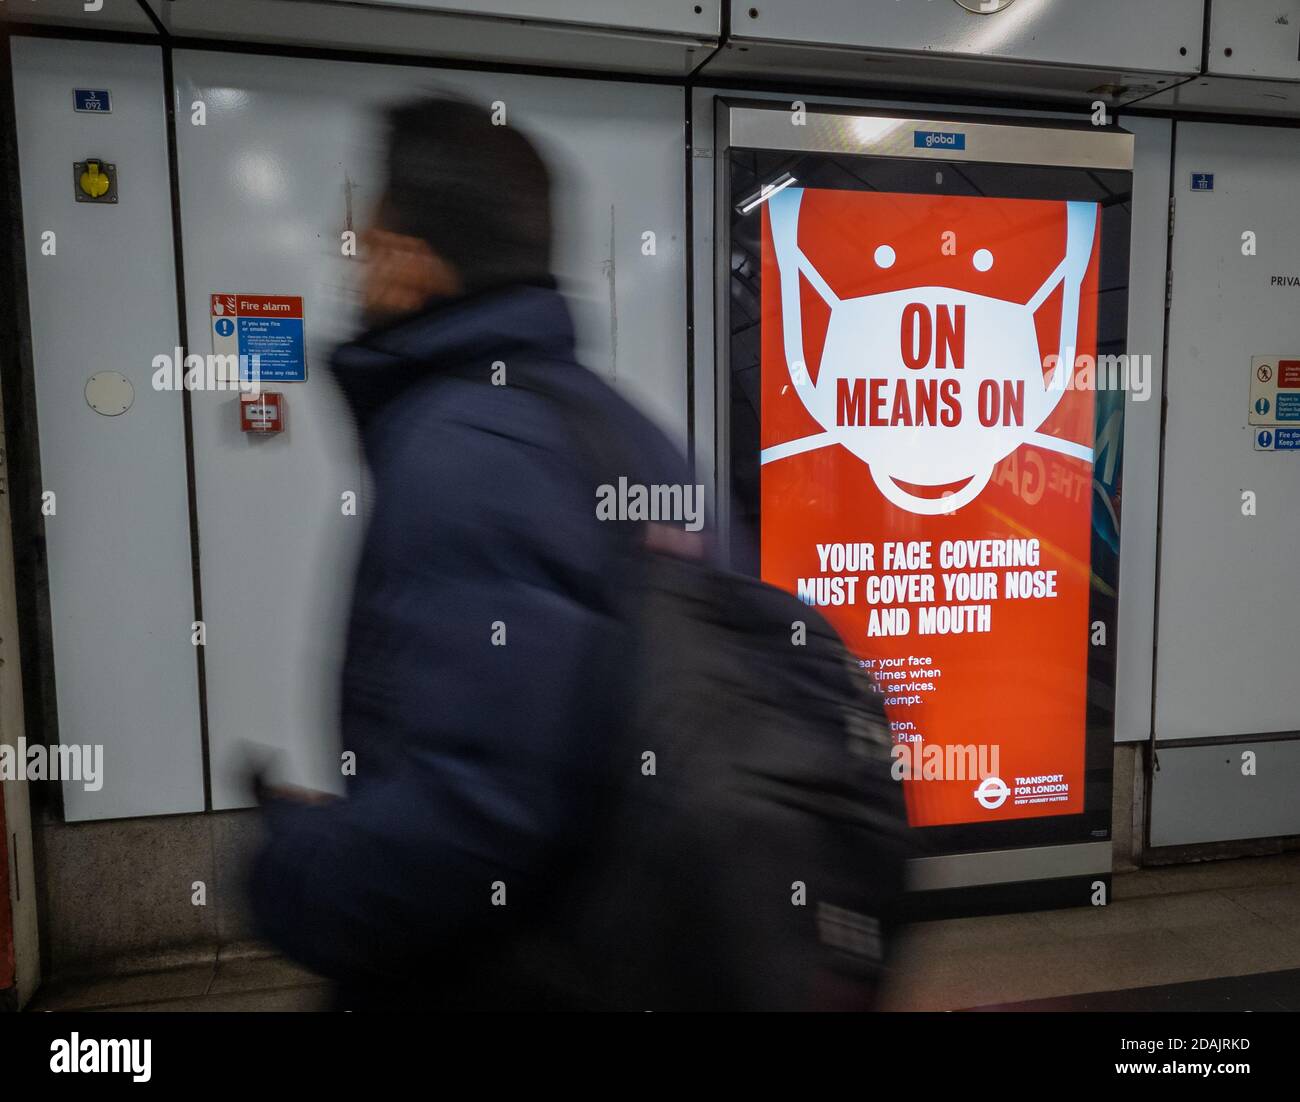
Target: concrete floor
[[1164, 927], [245, 978]]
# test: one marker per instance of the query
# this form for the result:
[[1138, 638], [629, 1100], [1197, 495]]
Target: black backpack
[[752, 850]]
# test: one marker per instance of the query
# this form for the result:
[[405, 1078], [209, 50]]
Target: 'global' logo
[[938, 139]]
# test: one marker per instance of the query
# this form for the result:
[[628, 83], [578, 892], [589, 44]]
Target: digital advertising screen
[[925, 453]]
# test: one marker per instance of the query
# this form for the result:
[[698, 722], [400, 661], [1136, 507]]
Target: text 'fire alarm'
[[261, 413]]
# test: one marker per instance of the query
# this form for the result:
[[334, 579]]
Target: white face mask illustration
[[974, 359]]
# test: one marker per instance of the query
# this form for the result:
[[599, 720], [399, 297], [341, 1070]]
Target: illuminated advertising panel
[[927, 398]]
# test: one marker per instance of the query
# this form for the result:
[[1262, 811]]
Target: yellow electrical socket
[[96, 181]]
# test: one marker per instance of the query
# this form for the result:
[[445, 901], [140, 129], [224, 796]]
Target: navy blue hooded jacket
[[475, 762]]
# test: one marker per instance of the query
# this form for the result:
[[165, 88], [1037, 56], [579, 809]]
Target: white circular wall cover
[[109, 393], [985, 7]]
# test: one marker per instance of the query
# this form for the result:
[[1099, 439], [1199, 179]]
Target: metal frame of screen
[[849, 149]]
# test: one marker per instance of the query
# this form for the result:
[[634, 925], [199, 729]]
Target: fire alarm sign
[[261, 413]]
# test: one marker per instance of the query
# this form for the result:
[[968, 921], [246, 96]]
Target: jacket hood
[[524, 321]]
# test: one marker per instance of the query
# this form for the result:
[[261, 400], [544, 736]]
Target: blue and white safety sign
[[95, 101], [265, 332], [1281, 438]]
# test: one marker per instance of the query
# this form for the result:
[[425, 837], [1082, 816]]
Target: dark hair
[[478, 193]]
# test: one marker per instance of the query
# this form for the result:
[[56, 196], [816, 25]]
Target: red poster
[[927, 434]]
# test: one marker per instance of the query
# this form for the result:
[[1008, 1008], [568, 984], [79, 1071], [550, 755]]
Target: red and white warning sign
[[265, 333], [927, 472]]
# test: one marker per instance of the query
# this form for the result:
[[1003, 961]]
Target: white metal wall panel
[[1230, 95], [118, 546], [1201, 794], [1229, 605], [103, 15], [266, 186], [1253, 62], [667, 38], [1255, 38], [1148, 251], [1160, 37], [673, 16], [1147, 269]]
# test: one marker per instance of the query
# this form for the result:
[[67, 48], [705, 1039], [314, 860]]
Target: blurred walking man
[[488, 645]]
